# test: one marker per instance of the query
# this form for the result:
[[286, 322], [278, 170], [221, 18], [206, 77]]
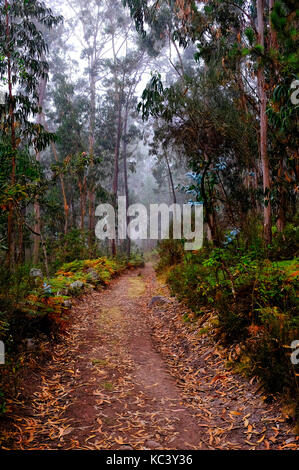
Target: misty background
[[98, 68]]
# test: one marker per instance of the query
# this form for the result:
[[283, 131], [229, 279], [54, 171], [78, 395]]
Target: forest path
[[107, 387]]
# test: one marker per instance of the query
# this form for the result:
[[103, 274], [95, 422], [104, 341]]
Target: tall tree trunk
[[128, 240], [82, 189], [62, 184], [21, 251], [37, 229], [209, 210], [263, 130], [116, 161], [281, 219], [170, 178], [63, 191], [91, 35], [37, 225], [273, 36], [91, 189], [10, 220]]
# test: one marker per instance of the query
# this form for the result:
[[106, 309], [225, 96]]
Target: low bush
[[69, 247], [255, 300], [136, 261]]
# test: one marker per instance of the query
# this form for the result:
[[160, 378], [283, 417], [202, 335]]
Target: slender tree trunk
[[95, 49], [37, 229], [263, 130], [44, 248], [128, 240], [210, 215], [73, 211], [116, 161], [62, 184], [37, 226], [273, 36], [211, 227], [227, 201], [281, 220], [170, 178], [21, 251], [209, 233], [91, 190], [118, 135], [82, 189], [63, 191], [10, 221]]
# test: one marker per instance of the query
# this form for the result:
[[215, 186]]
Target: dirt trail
[[107, 387]]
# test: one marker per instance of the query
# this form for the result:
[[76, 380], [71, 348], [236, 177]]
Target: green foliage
[[255, 299], [171, 253], [136, 261], [139, 12], [22, 49], [69, 247], [14, 325], [153, 97], [250, 35], [285, 244], [30, 183]]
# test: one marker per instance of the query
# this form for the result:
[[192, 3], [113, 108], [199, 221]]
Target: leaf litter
[[129, 376]]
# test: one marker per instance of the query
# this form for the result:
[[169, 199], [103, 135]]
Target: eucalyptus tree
[[55, 38], [282, 111], [123, 73], [250, 47], [132, 66], [69, 116], [22, 66], [95, 44], [204, 125]]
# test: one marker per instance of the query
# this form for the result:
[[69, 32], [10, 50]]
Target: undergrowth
[[34, 308], [254, 293]]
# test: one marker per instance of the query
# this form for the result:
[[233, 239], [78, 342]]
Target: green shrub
[[67, 248], [136, 261], [256, 301]]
